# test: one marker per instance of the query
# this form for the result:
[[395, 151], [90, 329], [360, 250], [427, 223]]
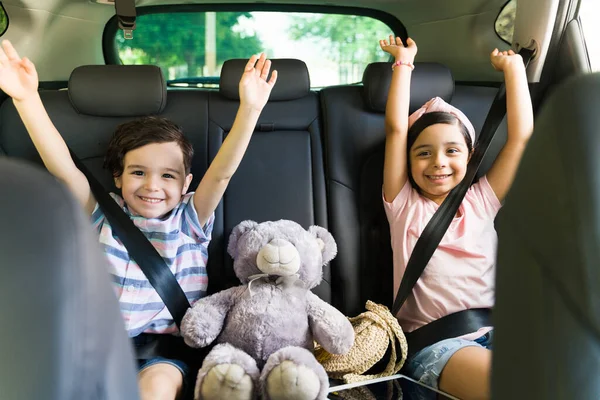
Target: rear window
[[190, 47]]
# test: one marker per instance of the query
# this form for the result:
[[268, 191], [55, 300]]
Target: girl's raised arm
[[519, 114], [395, 170]]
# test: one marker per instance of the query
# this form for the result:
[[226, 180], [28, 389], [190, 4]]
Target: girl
[[150, 161], [426, 156]]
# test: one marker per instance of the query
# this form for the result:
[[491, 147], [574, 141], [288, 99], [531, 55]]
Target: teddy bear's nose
[[278, 257]]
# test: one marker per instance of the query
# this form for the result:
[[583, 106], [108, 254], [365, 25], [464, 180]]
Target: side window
[[589, 13], [3, 20], [190, 47], [505, 23]]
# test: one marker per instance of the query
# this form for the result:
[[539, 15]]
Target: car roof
[[458, 33]]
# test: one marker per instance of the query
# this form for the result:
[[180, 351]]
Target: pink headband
[[437, 104]]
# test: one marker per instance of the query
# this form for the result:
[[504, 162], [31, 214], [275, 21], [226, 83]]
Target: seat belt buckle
[[126, 14], [127, 27]]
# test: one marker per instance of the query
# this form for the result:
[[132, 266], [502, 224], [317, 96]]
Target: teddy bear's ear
[[236, 233], [326, 241]]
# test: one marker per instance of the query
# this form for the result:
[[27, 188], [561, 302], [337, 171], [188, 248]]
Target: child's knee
[[160, 382], [467, 374]]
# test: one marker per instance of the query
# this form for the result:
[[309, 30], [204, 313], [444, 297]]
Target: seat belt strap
[[140, 249]]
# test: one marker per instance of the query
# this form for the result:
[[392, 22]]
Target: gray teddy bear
[[265, 328]]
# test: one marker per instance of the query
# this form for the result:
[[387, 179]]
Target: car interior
[[316, 157]]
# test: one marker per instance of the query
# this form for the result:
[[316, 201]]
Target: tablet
[[392, 387]]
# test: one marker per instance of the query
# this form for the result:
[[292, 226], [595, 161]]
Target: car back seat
[[353, 119], [282, 174]]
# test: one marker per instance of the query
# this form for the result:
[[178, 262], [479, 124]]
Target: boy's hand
[[18, 77], [503, 60], [396, 48], [254, 87]]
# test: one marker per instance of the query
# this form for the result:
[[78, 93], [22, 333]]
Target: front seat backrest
[[547, 315], [61, 336]]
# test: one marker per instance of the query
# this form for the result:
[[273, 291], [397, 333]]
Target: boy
[[150, 162]]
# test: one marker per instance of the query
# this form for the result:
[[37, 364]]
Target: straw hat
[[375, 330]]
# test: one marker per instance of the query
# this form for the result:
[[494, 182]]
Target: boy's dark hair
[[140, 132], [428, 119]]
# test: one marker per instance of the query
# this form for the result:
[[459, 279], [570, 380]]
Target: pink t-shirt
[[461, 272]]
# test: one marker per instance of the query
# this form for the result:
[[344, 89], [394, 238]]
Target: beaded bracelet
[[407, 63]]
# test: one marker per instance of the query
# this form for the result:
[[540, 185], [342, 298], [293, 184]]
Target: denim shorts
[[427, 365], [180, 365], [143, 340]]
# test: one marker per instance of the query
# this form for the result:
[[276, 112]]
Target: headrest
[[428, 80], [293, 81], [117, 90]]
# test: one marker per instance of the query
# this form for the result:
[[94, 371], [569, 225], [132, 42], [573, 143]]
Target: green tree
[[349, 40], [178, 39], [3, 20], [505, 24]]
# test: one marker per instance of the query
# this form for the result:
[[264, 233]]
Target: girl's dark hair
[[425, 121], [140, 132]]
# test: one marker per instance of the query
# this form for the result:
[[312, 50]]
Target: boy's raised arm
[[19, 80], [254, 93]]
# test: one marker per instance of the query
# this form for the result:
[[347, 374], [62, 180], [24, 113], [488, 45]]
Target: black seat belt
[[140, 249], [467, 321]]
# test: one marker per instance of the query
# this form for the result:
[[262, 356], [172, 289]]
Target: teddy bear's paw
[[227, 381], [292, 381]]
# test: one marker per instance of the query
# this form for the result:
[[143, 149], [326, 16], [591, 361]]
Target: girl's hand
[[503, 60], [396, 48], [254, 87], [18, 77]]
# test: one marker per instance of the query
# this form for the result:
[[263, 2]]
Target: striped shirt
[[181, 242]]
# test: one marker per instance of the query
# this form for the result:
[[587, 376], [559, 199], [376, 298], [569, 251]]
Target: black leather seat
[[547, 316], [62, 335]]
